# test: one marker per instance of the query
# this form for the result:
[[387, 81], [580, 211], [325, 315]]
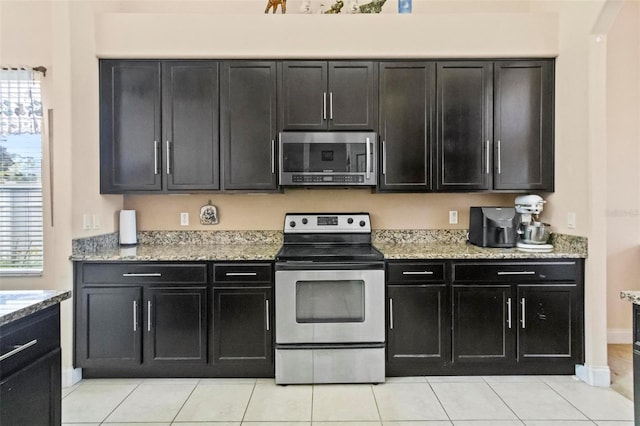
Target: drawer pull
[[417, 272], [516, 272], [18, 349], [509, 312], [241, 274], [142, 274]]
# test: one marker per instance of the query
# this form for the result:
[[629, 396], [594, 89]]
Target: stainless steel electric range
[[330, 308]]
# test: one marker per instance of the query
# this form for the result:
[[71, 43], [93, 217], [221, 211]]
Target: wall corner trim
[[594, 375]]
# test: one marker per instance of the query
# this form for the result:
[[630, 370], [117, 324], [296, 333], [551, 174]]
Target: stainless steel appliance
[[328, 158], [330, 301], [532, 234], [493, 226]]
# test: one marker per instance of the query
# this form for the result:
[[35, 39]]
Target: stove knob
[[292, 224], [362, 223], [350, 220], [304, 221]]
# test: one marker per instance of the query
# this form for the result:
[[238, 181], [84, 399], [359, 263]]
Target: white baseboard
[[620, 336], [594, 376], [71, 376]]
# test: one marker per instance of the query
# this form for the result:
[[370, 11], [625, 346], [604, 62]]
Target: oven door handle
[[328, 266]]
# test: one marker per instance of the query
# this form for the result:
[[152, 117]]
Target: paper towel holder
[[128, 230]]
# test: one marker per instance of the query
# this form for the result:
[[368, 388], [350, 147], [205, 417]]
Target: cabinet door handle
[[509, 312], [241, 274], [266, 308], [135, 315], [368, 157], [488, 154], [324, 105], [384, 158], [516, 272], [390, 314], [18, 349], [522, 304], [273, 156], [417, 272], [168, 157], [155, 158], [330, 105], [499, 159], [142, 274], [149, 315]]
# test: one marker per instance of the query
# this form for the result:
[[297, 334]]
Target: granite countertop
[[264, 245], [21, 303], [631, 296]]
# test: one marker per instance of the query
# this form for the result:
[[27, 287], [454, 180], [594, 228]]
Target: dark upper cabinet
[[176, 324], [407, 101], [158, 126], [464, 125], [482, 325], [190, 125], [335, 95], [109, 326], [523, 125], [248, 123], [130, 126]]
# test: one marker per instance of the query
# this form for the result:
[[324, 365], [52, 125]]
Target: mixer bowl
[[535, 233]]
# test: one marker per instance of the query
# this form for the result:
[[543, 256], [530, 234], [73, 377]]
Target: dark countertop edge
[[35, 307]]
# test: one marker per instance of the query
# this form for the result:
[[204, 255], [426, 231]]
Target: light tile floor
[[408, 401]]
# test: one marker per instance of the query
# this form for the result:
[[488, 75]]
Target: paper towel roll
[[128, 227]]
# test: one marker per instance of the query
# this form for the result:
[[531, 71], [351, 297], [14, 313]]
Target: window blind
[[21, 218]]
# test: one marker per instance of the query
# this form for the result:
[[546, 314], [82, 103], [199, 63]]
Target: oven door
[[329, 306]]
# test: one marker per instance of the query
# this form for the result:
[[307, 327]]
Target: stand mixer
[[532, 234]]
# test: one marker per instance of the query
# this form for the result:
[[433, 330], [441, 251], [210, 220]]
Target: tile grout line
[[568, 402], [503, 401], [439, 402], [103, 421], [246, 408], [375, 400], [185, 402]]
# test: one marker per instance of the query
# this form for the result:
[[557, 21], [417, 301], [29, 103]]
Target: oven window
[[330, 301]]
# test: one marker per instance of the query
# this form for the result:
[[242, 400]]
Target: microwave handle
[[368, 155]]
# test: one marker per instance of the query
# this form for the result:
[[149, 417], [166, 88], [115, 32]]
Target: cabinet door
[[303, 98], [482, 324], [406, 115], [32, 396], [523, 125], [352, 96], [464, 130], [418, 329], [248, 125], [242, 322], [547, 325], [130, 126], [110, 327], [190, 122], [176, 324]]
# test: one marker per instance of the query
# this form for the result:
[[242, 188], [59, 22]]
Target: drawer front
[[419, 272], [29, 338], [515, 271], [242, 272], [148, 272]]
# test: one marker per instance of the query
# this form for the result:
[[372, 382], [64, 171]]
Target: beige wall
[[75, 33], [623, 173]]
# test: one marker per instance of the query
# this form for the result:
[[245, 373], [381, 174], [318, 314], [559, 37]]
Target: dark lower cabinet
[[30, 370], [176, 327], [482, 327], [242, 332], [109, 326]]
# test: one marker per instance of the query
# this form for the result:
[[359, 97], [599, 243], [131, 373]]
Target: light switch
[[453, 217], [184, 219]]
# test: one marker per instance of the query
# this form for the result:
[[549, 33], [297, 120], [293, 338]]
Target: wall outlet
[[86, 221], [184, 219], [571, 220], [96, 221], [453, 217]]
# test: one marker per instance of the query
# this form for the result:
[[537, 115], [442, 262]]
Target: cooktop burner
[[328, 237]]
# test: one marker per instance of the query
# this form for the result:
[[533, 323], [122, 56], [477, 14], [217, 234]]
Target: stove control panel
[[316, 223]]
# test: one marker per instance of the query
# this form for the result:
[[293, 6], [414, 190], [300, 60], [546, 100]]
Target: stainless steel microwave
[[328, 158]]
